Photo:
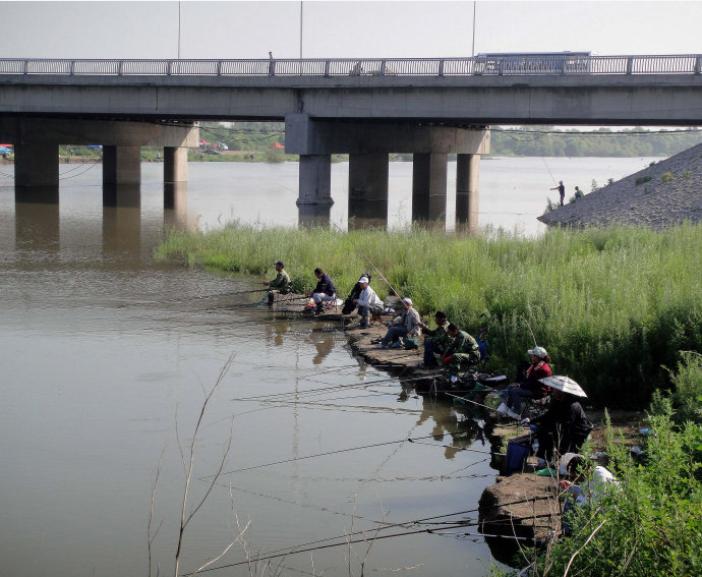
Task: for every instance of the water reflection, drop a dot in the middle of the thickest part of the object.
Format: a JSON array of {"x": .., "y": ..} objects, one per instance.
[
  {"x": 175, "y": 205},
  {"x": 121, "y": 221},
  {"x": 37, "y": 222},
  {"x": 323, "y": 343}
]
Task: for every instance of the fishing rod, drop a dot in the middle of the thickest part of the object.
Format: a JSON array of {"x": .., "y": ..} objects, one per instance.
[
  {"x": 463, "y": 399},
  {"x": 317, "y": 544},
  {"x": 272, "y": 396}
]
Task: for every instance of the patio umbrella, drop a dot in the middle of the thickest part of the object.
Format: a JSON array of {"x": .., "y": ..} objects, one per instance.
[{"x": 565, "y": 384}]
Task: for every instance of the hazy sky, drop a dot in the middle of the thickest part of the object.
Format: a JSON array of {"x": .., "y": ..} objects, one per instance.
[{"x": 338, "y": 29}]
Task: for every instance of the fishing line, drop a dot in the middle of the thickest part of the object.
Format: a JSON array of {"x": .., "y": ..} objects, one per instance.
[{"x": 307, "y": 547}]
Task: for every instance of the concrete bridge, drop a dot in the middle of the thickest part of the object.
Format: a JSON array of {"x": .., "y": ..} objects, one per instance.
[{"x": 366, "y": 108}]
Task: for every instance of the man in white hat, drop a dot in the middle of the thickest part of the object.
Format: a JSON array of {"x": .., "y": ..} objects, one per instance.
[
  {"x": 367, "y": 302},
  {"x": 408, "y": 325}
]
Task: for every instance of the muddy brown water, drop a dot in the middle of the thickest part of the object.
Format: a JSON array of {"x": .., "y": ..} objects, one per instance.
[{"x": 103, "y": 351}]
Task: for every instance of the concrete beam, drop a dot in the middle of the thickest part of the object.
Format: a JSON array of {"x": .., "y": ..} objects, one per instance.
[
  {"x": 368, "y": 189},
  {"x": 20, "y": 129},
  {"x": 36, "y": 164},
  {"x": 304, "y": 135},
  {"x": 467, "y": 194},
  {"x": 429, "y": 187},
  {"x": 121, "y": 165}
]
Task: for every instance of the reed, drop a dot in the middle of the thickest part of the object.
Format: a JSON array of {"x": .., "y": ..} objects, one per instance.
[{"x": 613, "y": 307}]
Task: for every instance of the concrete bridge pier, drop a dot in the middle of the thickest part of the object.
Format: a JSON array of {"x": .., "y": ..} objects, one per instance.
[
  {"x": 368, "y": 189},
  {"x": 467, "y": 178},
  {"x": 36, "y": 164},
  {"x": 368, "y": 144},
  {"x": 121, "y": 165},
  {"x": 314, "y": 198},
  {"x": 429, "y": 173},
  {"x": 175, "y": 205},
  {"x": 175, "y": 164},
  {"x": 37, "y": 218}
]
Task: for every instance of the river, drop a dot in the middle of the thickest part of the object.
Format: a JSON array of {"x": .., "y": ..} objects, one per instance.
[{"x": 108, "y": 357}]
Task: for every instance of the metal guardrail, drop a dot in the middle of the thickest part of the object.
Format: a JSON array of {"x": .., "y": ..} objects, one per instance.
[{"x": 503, "y": 65}]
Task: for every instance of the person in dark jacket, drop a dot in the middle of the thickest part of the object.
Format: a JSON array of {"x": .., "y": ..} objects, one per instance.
[
  {"x": 564, "y": 426},
  {"x": 436, "y": 340},
  {"x": 324, "y": 291}
]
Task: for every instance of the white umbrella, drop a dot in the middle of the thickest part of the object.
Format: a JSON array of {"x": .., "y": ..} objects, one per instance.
[{"x": 565, "y": 384}]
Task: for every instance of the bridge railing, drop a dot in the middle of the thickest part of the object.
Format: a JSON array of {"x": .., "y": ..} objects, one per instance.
[{"x": 496, "y": 65}]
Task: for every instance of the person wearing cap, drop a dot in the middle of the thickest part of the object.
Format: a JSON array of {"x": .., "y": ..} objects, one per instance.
[
  {"x": 408, "y": 325},
  {"x": 323, "y": 292},
  {"x": 367, "y": 302},
  {"x": 350, "y": 301},
  {"x": 514, "y": 396},
  {"x": 436, "y": 340},
  {"x": 280, "y": 284},
  {"x": 564, "y": 426},
  {"x": 462, "y": 353},
  {"x": 582, "y": 484}
]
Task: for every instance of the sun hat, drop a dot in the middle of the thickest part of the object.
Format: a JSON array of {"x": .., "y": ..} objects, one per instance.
[
  {"x": 407, "y": 301},
  {"x": 565, "y": 384},
  {"x": 363, "y": 279},
  {"x": 564, "y": 462},
  {"x": 538, "y": 352}
]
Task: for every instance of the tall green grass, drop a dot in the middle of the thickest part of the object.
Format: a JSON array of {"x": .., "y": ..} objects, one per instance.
[{"x": 613, "y": 307}]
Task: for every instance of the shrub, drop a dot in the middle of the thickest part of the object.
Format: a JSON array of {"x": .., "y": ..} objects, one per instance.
[
  {"x": 667, "y": 177},
  {"x": 642, "y": 180},
  {"x": 687, "y": 396}
]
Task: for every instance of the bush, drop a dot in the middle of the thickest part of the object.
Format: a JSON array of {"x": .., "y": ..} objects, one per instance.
[
  {"x": 642, "y": 179},
  {"x": 667, "y": 177},
  {"x": 687, "y": 396}
]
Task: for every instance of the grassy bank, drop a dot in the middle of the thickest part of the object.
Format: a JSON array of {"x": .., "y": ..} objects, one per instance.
[{"x": 612, "y": 307}]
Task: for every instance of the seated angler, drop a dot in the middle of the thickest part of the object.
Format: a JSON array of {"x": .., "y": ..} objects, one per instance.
[
  {"x": 564, "y": 426},
  {"x": 280, "y": 284},
  {"x": 437, "y": 340},
  {"x": 462, "y": 354},
  {"x": 350, "y": 302},
  {"x": 408, "y": 325},
  {"x": 367, "y": 302},
  {"x": 325, "y": 291},
  {"x": 514, "y": 396}
]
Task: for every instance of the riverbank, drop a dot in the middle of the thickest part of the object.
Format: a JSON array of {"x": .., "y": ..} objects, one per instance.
[{"x": 613, "y": 307}]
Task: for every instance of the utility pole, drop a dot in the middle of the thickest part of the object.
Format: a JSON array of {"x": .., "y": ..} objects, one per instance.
[
  {"x": 179, "y": 3},
  {"x": 472, "y": 53},
  {"x": 301, "y": 14}
]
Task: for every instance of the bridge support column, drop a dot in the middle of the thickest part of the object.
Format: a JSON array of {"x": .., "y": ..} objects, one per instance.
[
  {"x": 121, "y": 165},
  {"x": 36, "y": 165},
  {"x": 37, "y": 222},
  {"x": 314, "y": 201},
  {"x": 175, "y": 164},
  {"x": 368, "y": 189},
  {"x": 429, "y": 187},
  {"x": 175, "y": 205},
  {"x": 467, "y": 178}
]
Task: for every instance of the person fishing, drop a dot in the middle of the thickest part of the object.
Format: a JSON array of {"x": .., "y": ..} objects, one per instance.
[
  {"x": 280, "y": 284},
  {"x": 367, "y": 302},
  {"x": 406, "y": 326},
  {"x": 325, "y": 291},
  {"x": 561, "y": 190},
  {"x": 350, "y": 302},
  {"x": 462, "y": 354},
  {"x": 564, "y": 426},
  {"x": 436, "y": 340},
  {"x": 530, "y": 387}
]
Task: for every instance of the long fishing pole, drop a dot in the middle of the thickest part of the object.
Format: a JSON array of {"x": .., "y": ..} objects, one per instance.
[
  {"x": 315, "y": 545},
  {"x": 478, "y": 404}
]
